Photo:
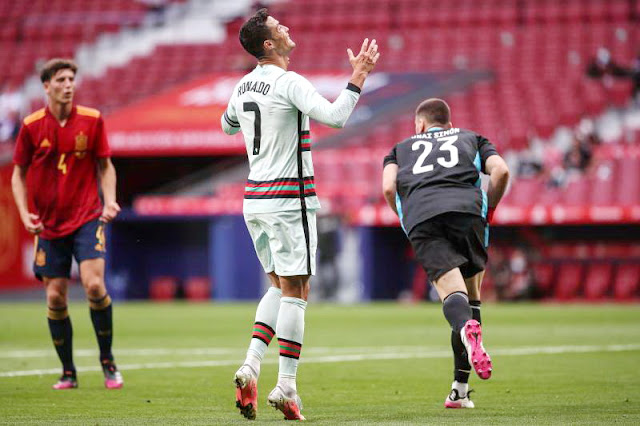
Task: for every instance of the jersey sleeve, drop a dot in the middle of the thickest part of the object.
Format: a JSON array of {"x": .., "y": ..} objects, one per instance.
[
  {"x": 391, "y": 157},
  {"x": 24, "y": 148},
  {"x": 486, "y": 149},
  {"x": 306, "y": 98},
  {"x": 102, "y": 144},
  {"x": 229, "y": 120}
]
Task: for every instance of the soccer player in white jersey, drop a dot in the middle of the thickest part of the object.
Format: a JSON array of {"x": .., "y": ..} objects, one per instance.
[{"x": 272, "y": 106}]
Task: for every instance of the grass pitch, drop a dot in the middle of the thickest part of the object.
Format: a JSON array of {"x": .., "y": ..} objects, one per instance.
[{"x": 363, "y": 364}]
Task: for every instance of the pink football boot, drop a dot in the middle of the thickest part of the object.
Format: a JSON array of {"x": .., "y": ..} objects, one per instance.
[
  {"x": 246, "y": 392},
  {"x": 471, "y": 335},
  {"x": 68, "y": 380},
  {"x": 112, "y": 377}
]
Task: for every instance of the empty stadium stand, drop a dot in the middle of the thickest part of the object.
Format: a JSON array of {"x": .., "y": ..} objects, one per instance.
[{"x": 536, "y": 50}]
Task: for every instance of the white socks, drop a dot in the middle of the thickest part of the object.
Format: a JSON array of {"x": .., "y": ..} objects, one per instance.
[
  {"x": 462, "y": 388},
  {"x": 290, "y": 331},
  {"x": 263, "y": 328},
  {"x": 283, "y": 316}
]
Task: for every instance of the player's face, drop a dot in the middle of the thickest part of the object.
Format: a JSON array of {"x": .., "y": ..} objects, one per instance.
[
  {"x": 280, "y": 36},
  {"x": 61, "y": 87}
]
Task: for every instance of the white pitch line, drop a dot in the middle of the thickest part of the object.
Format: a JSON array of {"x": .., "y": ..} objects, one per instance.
[
  {"x": 45, "y": 353},
  {"x": 79, "y": 353},
  {"x": 540, "y": 350}
]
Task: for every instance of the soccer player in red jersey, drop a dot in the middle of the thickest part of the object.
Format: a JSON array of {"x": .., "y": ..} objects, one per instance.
[{"x": 61, "y": 159}]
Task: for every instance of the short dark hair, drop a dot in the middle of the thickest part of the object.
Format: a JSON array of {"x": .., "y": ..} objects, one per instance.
[
  {"x": 52, "y": 66},
  {"x": 434, "y": 111},
  {"x": 254, "y": 32}
]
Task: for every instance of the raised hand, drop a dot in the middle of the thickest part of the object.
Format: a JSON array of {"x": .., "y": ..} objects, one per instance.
[{"x": 366, "y": 59}]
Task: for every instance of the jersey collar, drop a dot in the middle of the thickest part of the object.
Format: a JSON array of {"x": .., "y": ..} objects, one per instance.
[{"x": 74, "y": 110}]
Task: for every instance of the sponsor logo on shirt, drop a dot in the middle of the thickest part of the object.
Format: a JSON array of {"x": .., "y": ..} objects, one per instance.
[{"x": 45, "y": 143}]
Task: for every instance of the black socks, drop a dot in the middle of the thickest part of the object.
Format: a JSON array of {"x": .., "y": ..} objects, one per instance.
[
  {"x": 475, "y": 309},
  {"x": 462, "y": 368},
  {"x": 456, "y": 310},
  {"x": 102, "y": 320},
  {"x": 62, "y": 336}
]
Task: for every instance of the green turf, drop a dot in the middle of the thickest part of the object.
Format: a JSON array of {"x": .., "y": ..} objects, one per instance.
[{"x": 593, "y": 387}]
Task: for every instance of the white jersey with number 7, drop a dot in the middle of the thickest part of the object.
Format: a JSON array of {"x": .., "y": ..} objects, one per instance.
[{"x": 272, "y": 107}]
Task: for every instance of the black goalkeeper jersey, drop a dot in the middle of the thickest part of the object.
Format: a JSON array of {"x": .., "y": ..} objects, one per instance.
[{"x": 439, "y": 172}]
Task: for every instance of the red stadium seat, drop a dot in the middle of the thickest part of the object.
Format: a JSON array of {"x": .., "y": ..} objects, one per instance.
[
  {"x": 487, "y": 35},
  {"x": 9, "y": 32},
  {"x": 42, "y": 21},
  {"x": 562, "y": 251},
  {"x": 576, "y": 193},
  {"x": 163, "y": 288},
  {"x": 597, "y": 281},
  {"x": 197, "y": 288},
  {"x": 596, "y": 9},
  {"x": 626, "y": 282},
  {"x": 629, "y": 181},
  {"x": 603, "y": 188},
  {"x": 569, "y": 283},
  {"x": 544, "y": 275},
  {"x": 524, "y": 191}
]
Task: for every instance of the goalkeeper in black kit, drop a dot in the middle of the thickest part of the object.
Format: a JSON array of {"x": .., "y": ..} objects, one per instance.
[{"x": 432, "y": 181}]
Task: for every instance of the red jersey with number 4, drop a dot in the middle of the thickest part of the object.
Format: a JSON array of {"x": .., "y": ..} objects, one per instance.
[{"x": 62, "y": 181}]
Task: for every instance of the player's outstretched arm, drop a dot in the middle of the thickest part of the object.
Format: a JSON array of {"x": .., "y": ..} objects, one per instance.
[
  {"x": 31, "y": 221},
  {"x": 498, "y": 172},
  {"x": 304, "y": 96},
  {"x": 389, "y": 175}
]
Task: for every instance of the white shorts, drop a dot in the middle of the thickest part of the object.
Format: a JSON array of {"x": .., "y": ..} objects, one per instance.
[{"x": 284, "y": 242}]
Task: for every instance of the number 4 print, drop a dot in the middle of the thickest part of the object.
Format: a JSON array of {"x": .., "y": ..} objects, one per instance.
[{"x": 62, "y": 166}]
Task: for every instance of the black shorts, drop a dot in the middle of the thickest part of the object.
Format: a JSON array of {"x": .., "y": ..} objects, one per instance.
[
  {"x": 53, "y": 257},
  {"x": 449, "y": 241}
]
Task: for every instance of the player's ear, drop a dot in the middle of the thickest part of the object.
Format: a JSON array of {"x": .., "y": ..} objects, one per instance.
[
  {"x": 420, "y": 125},
  {"x": 268, "y": 45}
]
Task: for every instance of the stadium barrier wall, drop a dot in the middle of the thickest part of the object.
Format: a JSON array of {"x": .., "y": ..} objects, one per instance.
[{"x": 218, "y": 248}]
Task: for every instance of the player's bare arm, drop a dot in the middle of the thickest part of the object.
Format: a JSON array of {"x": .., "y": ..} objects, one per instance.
[
  {"x": 389, "y": 175},
  {"x": 364, "y": 62},
  {"x": 31, "y": 221},
  {"x": 107, "y": 175},
  {"x": 498, "y": 172}
]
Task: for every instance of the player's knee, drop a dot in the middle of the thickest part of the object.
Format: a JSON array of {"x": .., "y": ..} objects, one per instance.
[
  {"x": 56, "y": 299},
  {"x": 94, "y": 287}
]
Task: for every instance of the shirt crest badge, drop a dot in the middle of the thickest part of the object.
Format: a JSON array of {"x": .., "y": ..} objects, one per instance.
[{"x": 81, "y": 145}]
